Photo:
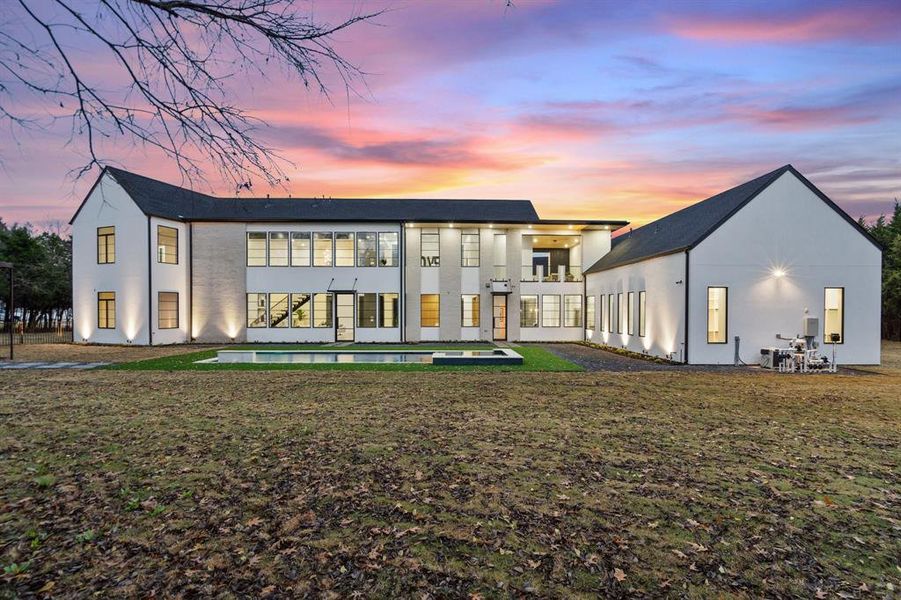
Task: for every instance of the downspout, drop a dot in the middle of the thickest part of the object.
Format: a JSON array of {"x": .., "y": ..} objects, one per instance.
[
  {"x": 149, "y": 284},
  {"x": 685, "y": 343},
  {"x": 190, "y": 282},
  {"x": 584, "y": 306},
  {"x": 402, "y": 296}
]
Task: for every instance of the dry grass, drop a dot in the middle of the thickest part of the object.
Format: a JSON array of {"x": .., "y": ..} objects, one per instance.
[
  {"x": 85, "y": 353},
  {"x": 396, "y": 484}
]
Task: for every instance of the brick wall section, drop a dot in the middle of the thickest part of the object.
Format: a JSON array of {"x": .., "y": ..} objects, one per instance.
[
  {"x": 219, "y": 275},
  {"x": 449, "y": 276}
]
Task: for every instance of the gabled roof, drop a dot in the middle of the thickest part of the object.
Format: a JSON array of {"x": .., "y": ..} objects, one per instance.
[
  {"x": 688, "y": 227},
  {"x": 160, "y": 199}
]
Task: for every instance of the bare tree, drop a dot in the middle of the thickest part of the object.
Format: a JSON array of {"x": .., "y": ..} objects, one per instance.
[{"x": 177, "y": 63}]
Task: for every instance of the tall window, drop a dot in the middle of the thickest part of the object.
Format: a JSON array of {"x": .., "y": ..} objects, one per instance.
[
  {"x": 470, "y": 304},
  {"x": 167, "y": 245},
  {"x": 717, "y": 307},
  {"x": 430, "y": 310},
  {"x": 603, "y": 300},
  {"x": 642, "y": 314},
  {"x": 550, "y": 310},
  {"x": 322, "y": 249},
  {"x": 470, "y": 251},
  {"x": 630, "y": 314},
  {"x": 611, "y": 313},
  {"x": 834, "y": 317},
  {"x": 572, "y": 310},
  {"x": 167, "y": 310},
  {"x": 106, "y": 310},
  {"x": 429, "y": 246},
  {"x": 620, "y": 308},
  {"x": 528, "y": 311},
  {"x": 388, "y": 307},
  {"x": 388, "y": 249},
  {"x": 590, "y": 314},
  {"x": 256, "y": 248},
  {"x": 322, "y": 310},
  {"x": 278, "y": 248},
  {"x": 256, "y": 310},
  {"x": 279, "y": 310},
  {"x": 367, "y": 249},
  {"x": 300, "y": 310},
  {"x": 106, "y": 245},
  {"x": 366, "y": 310},
  {"x": 300, "y": 249},
  {"x": 344, "y": 249}
]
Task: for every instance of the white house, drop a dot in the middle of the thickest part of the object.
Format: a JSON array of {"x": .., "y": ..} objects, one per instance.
[
  {"x": 748, "y": 263},
  {"x": 155, "y": 263}
]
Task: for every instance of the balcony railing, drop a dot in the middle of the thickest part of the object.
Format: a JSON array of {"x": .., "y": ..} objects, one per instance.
[{"x": 567, "y": 273}]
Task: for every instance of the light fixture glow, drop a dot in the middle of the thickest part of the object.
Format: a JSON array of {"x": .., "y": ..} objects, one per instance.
[{"x": 777, "y": 272}]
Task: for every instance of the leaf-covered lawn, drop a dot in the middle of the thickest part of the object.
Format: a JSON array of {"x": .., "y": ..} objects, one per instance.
[
  {"x": 236, "y": 483},
  {"x": 534, "y": 359}
]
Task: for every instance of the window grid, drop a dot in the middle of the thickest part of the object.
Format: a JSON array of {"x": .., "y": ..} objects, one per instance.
[
  {"x": 278, "y": 249},
  {"x": 630, "y": 314},
  {"x": 528, "y": 311},
  {"x": 106, "y": 245},
  {"x": 590, "y": 314},
  {"x": 322, "y": 310},
  {"x": 470, "y": 310},
  {"x": 430, "y": 310},
  {"x": 279, "y": 310},
  {"x": 256, "y": 310},
  {"x": 469, "y": 241},
  {"x": 367, "y": 249},
  {"x": 301, "y": 310},
  {"x": 550, "y": 310},
  {"x": 834, "y": 314},
  {"x": 366, "y": 310},
  {"x": 388, "y": 249},
  {"x": 344, "y": 249},
  {"x": 106, "y": 310},
  {"x": 717, "y": 314},
  {"x": 388, "y": 306},
  {"x": 166, "y": 245},
  {"x": 322, "y": 249},
  {"x": 256, "y": 248},
  {"x": 300, "y": 249},
  {"x": 167, "y": 310},
  {"x": 572, "y": 310},
  {"x": 429, "y": 247}
]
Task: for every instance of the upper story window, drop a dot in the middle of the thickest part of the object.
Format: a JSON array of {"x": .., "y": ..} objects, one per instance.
[
  {"x": 429, "y": 247},
  {"x": 322, "y": 249},
  {"x": 278, "y": 248},
  {"x": 834, "y": 317},
  {"x": 717, "y": 307},
  {"x": 167, "y": 245},
  {"x": 344, "y": 249},
  {"x": 388, "y": 249},
  {"x": 300, "y": 249},
  {"x": 256, "y": 249},
  {"x": 470, "y": 249},
  {"x": 106, "y": 245},
  {"x": 367, "y": 249}
]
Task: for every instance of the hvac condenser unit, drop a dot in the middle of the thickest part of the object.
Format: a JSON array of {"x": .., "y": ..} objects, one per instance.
[{"x": 811, "y": 327}]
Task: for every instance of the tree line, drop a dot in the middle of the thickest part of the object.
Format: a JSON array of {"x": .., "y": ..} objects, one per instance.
[
  {"x": 43, "y": 280},
  {"x": 887, "y": 231}
]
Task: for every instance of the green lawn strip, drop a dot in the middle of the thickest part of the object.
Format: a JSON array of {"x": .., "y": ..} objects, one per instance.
[{"x": 534, "y": 359}]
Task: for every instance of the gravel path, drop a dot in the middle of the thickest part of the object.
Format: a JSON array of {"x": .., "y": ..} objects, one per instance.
[{"x": 592, "y": 359}]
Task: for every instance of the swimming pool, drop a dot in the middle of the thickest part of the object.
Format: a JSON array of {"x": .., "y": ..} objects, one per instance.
[{"x": 495, "y": 356}]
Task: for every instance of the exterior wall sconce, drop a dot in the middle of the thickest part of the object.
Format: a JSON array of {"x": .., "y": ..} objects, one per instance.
[{"x": 778, "y": 273}]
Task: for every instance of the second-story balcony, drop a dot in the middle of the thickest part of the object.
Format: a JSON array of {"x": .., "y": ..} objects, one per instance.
[{"x": 552, "y": 258}]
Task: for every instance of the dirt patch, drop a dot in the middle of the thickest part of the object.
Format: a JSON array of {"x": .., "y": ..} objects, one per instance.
[{"x": 94, "y": 353}]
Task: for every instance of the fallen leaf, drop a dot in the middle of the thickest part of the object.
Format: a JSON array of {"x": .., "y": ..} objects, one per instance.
[{"x": 618, "y": 574}]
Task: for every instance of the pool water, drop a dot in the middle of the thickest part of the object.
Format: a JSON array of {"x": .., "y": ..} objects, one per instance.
[{"x": 321, "y": 357}]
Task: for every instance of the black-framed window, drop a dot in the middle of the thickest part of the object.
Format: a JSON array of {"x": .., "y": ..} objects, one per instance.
[
  {"x": 256, "y": 310},
  {"x": 630, "y": 313},
  {"x": 469, "y": 252},
  {"x": 106, "y": 310},
  {"x": 717, "y": 314},
  {"x": 367, "y": 310},
  {"x": 528, "y": 310},
  {"x": 611, "y": 313},
  {"x": 388, "y": 309},
  {"x": 388, "y": 249},
  {"x": 572, "y": 310},
  {"x": 322, "y": 310},
  {"x": 301, "y": 310},
  {"x": 167, "y": 310},
  {"x": 344, "y": 249},
  {"x": 106, "y": 245},
  {"x": 550, "y": 310},
  {"x": 300, "y": 248},
  {"x": 620, "y": 307},
  {"x": 590, "y": 312},
  {"x": 256, "y": 248},
  {"x": 279, "y": 253},
  {"x": 642, "y": 313},
  {"x": 367, "y": 248},
  {"x": 834, "y": 314},
  {"x": 279, "y": 310},
  {"x": 322, "y": 251},
  {"x": 469, "y": 305},
  {"x": 429, "y": 247},
  {"x": 430, "y": 310},
  {"x": 166, "y": 245}
]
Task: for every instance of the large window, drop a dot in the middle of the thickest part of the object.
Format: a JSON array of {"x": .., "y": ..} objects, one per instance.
[
  {"x": 167, "y": 310},
  {"x": 470, "y": 250},
  {"x": 367, "y": 249},
  {"x": 611, "y": 313},
  {"x": 642, "y": 314},
  {"x": 256, "y": 310},
  {"x": 620, "y": 308},
  {"x": 300, "y": 310},
  {"x": 429, "y": 247},
  {"x": 106, "y": 310},
  {"x": 388, "y": 310},
  {"x": 572, "y": 310},
  {"x": 717, "y": 307},
  {"x": 279, "y": 310},
  {"x": 344, "y": 249},
  {"x": 322, "y": 310},
  {"x": 106, "y": 245},
  {"x": 590, "y": 313},
  {"x": 550, "y": 310},
  {"x": 528, "y": 311},
  {"x": 278, "y": 248},
  {"x": 366, "y": 310},
  {"x": 167, "y": 245},
  {"x": 834, "y": 316},
  {"x": 470, "y": 305},
  {"x": 256, "y": 248},
  {"x": 322, "y": 249},
  {"x": 630, "y": 314},
  {"x": 430, "y": 310},
  {"x": 388, "y": 249},
  {"x": 603, "y": 300},
  {"x": 300, "y": 249}
]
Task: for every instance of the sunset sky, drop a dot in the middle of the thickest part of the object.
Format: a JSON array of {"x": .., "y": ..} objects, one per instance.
[{"x": 590, "y": 109}]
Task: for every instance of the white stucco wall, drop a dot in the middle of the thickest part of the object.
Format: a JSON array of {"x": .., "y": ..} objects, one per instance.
[
  {"x": 170, "y": 278},
  {"x": 786, "y": 227},
  {"x": 660, "y": 279},
  {"x": 108, "y": 204}
]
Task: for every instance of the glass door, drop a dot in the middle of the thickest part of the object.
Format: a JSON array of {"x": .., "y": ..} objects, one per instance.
[
  {"x": 344, "y": 317},
  {"x": 499, "y": 316}
]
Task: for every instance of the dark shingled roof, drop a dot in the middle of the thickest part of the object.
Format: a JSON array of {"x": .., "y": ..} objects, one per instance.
[
  {"x": 172, "y": 202},
  {"x": 686, "y": 228}
]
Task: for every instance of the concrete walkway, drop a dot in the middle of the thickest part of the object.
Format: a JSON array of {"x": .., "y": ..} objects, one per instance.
[{"x": 49, "y": 365}]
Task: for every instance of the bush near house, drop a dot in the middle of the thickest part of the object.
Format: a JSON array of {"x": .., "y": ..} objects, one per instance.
[{"x": 887, "y": 232}]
